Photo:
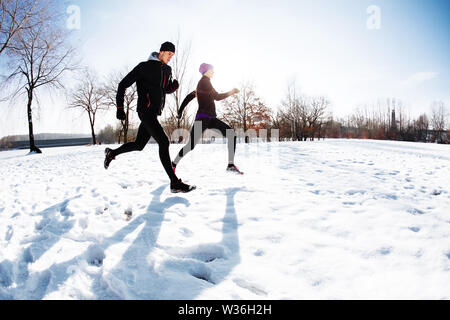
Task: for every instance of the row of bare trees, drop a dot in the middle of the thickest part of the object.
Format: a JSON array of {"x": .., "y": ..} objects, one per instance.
[
  {"x": 244, "y": 110},
  {"x": 36, "y": 52},
  {"x": 389, "y": 119},
  {"x": 92, "y": 96},
  {"x": 301, "y": 117}
]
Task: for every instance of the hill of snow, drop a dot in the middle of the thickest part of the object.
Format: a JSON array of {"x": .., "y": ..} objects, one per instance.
[{"x": 334, "y": 219}]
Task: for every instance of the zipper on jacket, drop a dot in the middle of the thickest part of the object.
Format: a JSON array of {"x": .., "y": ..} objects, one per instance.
[
  {"x": 148, "y": 101},
  {"x": 162, "y": 89}
]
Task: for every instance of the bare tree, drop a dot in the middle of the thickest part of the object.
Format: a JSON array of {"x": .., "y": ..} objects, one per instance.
[
  {"x": 359, "y": 121},
  {"x": 302, "y": 112},
  {"x": 15, "y": 16},
  {"x": 422, "y": 125},
  {"x": 180, "y": 66},
  {"x": 304, "y": 115},
  {"x": 438, "y": 115},
  {"x": 438, "y": 118},
  {"x": 41, "y": 55},
  {"x": 290, "y": 112},
  {"x": 316, "y": 120},
  {"x": 107, "y": 135},
  {"x": 88, "y": 96},
  {"x": 109, "y": 93},
  {"x": 245, "y": 109}
]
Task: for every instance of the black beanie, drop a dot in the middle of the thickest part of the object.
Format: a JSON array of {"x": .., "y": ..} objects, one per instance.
[{"x": 168, "y": 46}]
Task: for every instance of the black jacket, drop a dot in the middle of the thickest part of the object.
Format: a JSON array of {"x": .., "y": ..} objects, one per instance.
[
  {"x": 206, "y": 95},
  {"x": 153, "y": 80}
]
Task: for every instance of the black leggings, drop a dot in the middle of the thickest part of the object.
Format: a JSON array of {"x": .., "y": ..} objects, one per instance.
[
  {"x": 150, "y": 127},
  {"x": 196, "y": 134}
]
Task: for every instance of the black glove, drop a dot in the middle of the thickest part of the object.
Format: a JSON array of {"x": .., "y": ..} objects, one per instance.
[
  {"x": 175, "y": 85},
  {"x": 121, "y": 114}
]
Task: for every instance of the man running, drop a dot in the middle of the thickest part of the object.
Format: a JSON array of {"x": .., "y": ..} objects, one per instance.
[
  {"x": 206, "y": 117},
  {"x": 153, "y": 80}
]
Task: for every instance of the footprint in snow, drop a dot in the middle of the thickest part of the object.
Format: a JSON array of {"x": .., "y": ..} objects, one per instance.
[
  {"x": 95, "y": 255},
  {"x": 27, "y": 256},
  {"x": 42, "y": 224},
  {"x": 201, "y": 272},
  {"x": 389, "y": 196},
  {"x": 83, "y": 222},
  {"x": 250, "y": 286},
  {"x": 9, "y": 233},
  {"x": 95, "y": 193},
  {"x": 42, "y": 282},
  {"x": 124, "y": 185},
  {"x": 415, "y": 211},
  {"x": 128, "y": 214},
  {"x": 6, "y": 270},
  {"x": 419, "y": 253},
  {"x": 101, "y": 209},
  {"x": 259, "y": 253},
  {"x": 204, "y": 252},
  {"x": 354, "y": 192},
  {"x": 384, "y": 251},
  {"x": 186, "y": 232}
]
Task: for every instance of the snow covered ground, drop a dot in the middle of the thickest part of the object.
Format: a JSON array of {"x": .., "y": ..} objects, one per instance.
[{"x": 334, "y": 219}]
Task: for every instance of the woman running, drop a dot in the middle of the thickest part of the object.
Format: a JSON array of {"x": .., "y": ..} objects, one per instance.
[{"x": 206, "y": 117}]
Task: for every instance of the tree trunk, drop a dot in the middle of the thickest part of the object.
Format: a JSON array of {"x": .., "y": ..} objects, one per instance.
[
  {"x": 92, "y": 121},
  {"x": 126, "y": 123},
  {"x": 125, "y": 132},
  {"x": 33, "y": 147},
  {"x": 247, "y": 138},
  {"x": 94, "y": 140}
]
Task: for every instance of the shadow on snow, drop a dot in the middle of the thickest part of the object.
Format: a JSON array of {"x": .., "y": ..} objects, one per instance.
[{"x": 145, "y": 270}]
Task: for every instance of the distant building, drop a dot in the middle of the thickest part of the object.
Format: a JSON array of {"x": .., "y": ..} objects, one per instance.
[{"x": 51, "y": 143}]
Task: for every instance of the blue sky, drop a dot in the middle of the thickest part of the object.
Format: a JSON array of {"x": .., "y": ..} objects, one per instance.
[{"x": 324, "y": 45}]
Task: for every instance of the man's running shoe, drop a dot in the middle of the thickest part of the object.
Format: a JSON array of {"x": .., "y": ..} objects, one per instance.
[
  {"x": 234, "y": 169},
  {"x": 108, "y": 157},
  {"x": 178, "y": 186}
]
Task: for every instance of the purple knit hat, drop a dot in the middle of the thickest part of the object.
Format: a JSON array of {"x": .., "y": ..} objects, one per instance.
[{"x": 205, "y": 67}]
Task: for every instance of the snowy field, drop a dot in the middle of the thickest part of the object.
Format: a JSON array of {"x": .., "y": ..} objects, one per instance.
[{"x": 334, "y": 219}]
